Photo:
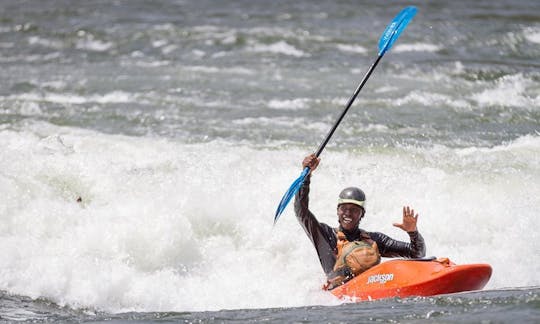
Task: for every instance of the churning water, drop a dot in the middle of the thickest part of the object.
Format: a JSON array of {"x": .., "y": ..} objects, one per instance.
[{"x": 180, "y": 124}]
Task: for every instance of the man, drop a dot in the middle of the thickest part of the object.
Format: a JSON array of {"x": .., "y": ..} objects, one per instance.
[{"x": 350, "y": 210}]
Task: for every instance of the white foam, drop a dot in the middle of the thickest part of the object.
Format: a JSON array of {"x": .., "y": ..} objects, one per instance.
[
  {"x": 352, "y": 48},
  {"x": 532, "y": 34},
  {"x": 510, "y": 90},
  {"x": 94, "y": 45},
  {"x": 30, "y": 108},
  {"x": 168, "y": 226},
  {"x": 416, "y": 47},
  {"x": 66, "y": 98},
  {"x": 280, "y": 47},
  {"x": 159, "y": 43},
  {"x": 298, "y": 103},
  {"x": 430, "y": 99},
  {"x": 35, "y": 40},
  {"x": 213, "y": 69}
]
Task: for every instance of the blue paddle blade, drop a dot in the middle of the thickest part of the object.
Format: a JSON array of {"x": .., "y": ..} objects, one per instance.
[
  {"x": 293, "y": 189},
  {"x": 394, "y": 29}
]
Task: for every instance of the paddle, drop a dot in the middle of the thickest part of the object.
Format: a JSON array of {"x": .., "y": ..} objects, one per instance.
[{"x": 390, "y": 35}]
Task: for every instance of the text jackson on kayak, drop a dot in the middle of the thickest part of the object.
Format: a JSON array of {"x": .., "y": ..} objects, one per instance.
[{"x": 348, "y": 250}]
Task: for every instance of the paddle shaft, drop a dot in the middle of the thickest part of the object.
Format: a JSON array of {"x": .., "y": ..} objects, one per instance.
[
  {"x": 391, "y": 33},
  {"x": 349, "y": 104}
]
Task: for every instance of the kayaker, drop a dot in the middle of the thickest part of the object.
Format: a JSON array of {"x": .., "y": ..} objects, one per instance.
[{"x": 348, "y": 250}]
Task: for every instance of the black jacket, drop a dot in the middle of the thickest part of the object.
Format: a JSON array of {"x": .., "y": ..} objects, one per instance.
[{"x": 324, "y": 237}]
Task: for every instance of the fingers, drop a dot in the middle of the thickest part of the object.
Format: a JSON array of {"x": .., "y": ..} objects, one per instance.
[
  {"x": 317, "y": 161},
  {"x": 409, "y": 219},
  {"x": 409, "y": 212},
  {"x": 311, "y": 161}
]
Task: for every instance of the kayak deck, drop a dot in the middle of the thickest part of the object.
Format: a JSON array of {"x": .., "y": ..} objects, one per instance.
[{"x": 424, "y": 277}]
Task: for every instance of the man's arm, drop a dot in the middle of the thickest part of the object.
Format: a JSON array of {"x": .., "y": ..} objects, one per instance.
[
  {"x": 393, "y": 248},
  {"x": 390, "y": 248},
  {"x": 321, "y": 235}
]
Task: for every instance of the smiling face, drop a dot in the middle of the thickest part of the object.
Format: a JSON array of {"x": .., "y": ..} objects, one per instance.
[{"x": 349, "y": 216}]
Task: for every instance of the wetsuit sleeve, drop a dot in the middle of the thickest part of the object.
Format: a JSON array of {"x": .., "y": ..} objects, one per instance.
[
  {"x": 389, "y": 248},
  {"x": 321, "y": 235}
]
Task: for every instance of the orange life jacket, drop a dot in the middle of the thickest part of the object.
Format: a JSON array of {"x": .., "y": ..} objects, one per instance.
[{"x": 353, "y": 258}]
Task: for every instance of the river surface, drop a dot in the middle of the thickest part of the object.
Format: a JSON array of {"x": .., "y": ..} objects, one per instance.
[{"x": 145, "y": 146}]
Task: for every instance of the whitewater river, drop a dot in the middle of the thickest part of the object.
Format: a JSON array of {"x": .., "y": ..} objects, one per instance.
[{"x": 180, "y": 124}]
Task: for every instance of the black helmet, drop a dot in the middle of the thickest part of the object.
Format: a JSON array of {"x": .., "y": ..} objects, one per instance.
[{"x": 352, "y": 195}]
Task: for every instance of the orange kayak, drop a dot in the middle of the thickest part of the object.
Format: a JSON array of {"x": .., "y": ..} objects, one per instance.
[{"x": 415, "y": 277}]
